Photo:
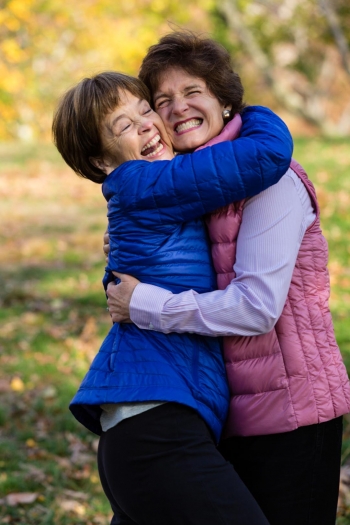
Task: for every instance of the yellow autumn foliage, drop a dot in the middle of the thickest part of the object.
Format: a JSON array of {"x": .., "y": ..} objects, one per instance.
[
  {"x": 47, "y": 46},
  {"x": 286, "y": 54}
]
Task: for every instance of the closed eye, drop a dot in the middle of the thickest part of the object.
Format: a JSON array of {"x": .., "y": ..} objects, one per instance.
[{"x": 163, "y": 103}]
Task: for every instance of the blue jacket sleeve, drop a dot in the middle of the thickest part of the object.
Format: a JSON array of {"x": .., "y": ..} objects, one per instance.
[{"x": 194, "y": 184}]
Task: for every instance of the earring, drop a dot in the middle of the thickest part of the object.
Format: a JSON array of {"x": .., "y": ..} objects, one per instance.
[{"x": 226, "y": 113}]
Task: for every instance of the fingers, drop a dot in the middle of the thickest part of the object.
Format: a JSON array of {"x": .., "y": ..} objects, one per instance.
[
  {"x": 118, "y": 299},
  {"x": 106, "y": 250},
  {"x": 120, "y": 319},
  {"x": 118, "y": 312},
  {"x": 125, "y": 278},
  {"x": 110, "y": 285},
  {"x": 106, "y": 244}
]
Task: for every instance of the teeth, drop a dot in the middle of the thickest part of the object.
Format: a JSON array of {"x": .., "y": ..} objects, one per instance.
[
  {"x": 189, "y": 124},
  {"x": 151, "y": 143},
  {"x": 156, "y": 151}
]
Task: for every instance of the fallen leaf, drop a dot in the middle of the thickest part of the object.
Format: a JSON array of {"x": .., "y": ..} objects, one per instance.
[
  {"x": 17, "y": 384},
  {"x": 94, "y": 478},
  {"x": 74, "y": 494},
  {"x": 49, "y": 392},
  {"x": 17, "y": 498},
  {"x": 73, "y": 506},
  {"x": 94, "y": 445},
  {"x": 30, "y": 443},
  {"x": 82, "y": 459},
  {"x": 83, "y": 473},
  {"x": 64, "y": 463},
  {"x": 34, "y": 473},
  {"x": 5, "y": 385}
]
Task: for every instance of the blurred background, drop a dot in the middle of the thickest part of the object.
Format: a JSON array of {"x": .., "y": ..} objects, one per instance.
[{"x": 292, "y": 55}]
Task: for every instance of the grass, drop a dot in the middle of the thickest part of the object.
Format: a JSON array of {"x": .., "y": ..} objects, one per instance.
[{"x": 53, "y": 318}]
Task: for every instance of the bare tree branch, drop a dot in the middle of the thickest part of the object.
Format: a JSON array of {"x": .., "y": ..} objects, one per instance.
[
  {"x": 292, "y": 101},
  {"x": 291, "y": 88},
  {"x": 334, "y": 24}
]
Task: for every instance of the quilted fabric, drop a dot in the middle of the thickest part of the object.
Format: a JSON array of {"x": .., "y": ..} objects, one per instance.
[
  {"x": 157, "y": 235},
  {"x": 294, "y": 375}
]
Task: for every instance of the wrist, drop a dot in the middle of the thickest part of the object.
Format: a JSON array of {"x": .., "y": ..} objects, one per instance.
[{"x": 146, "y": 306}]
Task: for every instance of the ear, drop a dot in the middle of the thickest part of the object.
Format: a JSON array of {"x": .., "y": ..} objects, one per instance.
[
  {"x": 228, "y": 106},
  {"x": 102, "y": 164}
]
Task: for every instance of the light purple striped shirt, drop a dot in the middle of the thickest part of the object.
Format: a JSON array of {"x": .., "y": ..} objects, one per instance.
[{"x": 273, "y": 226}]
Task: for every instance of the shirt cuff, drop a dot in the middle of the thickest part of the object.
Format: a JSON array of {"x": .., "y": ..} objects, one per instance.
[{"x": 146, "y": 305}]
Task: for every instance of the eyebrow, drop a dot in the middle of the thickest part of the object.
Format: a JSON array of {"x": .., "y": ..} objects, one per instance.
[
  {"x": 187, "y": 88},
  {"x": 123, "y": 115},
  {"x": 114, "y": 121}
]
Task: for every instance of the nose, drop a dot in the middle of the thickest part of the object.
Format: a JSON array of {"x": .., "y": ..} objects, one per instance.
[
  {"x": 179, "y": 105},
  {"x": 146, "y": 125}
]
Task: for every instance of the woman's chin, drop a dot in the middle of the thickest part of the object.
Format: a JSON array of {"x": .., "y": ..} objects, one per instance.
[
  {"x": 187, "y": 146},
  {"x": 188, "y": 142}
]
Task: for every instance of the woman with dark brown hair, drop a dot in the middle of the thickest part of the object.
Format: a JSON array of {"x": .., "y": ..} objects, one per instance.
[{"x": 289, "y": 387}]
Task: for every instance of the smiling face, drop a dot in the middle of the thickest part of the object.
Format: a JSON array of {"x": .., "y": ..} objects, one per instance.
[
  {"x": 192, "y": 115},
  {"x": 133, "y": 131}
]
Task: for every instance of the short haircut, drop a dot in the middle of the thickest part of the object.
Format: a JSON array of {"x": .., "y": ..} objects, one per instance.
[
  {"x": 77, "y": 121},
  {"x": 201, "y": 57}
]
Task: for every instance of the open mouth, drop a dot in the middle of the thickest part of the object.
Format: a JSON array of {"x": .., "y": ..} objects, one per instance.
[
  {"x": 190, "y": 124},
  {"x": 153, "y": 147}
]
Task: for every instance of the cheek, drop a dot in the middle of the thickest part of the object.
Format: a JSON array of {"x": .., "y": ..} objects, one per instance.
[
  {"x": 217, "y": 122},
  {"x": 169, "y": 134},
  {"x": 164, "y": 116}
]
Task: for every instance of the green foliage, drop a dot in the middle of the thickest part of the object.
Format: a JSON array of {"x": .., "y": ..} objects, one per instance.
[{"x": 52, "y": 320}]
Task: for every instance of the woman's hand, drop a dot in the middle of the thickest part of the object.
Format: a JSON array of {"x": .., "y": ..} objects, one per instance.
[
  {"x": 119, "y": 297},
  {"x": 106, "y": 244}
]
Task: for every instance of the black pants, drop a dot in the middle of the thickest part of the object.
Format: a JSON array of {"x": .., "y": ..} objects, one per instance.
[
  {"x": 161, "y": 467},
  {"x": 293, "y": 476}
]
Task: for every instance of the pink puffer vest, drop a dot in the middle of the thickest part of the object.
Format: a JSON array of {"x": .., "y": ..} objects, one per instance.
[{"x": 294, "y": 375}]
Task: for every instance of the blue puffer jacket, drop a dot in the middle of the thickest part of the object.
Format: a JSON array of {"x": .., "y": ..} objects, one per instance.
[{"x": 157, "y": 235}]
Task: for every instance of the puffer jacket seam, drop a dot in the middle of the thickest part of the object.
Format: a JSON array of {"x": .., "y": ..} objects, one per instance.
[
  {"x": 317, "y": 277},
  {"x": 286, "y": 387},
  {"x": 334, "y": 365},
  {"x": 302, "y": 280},
  {"x": 323, "y": 313},
  {"x": 327, "y": 336},
  {"x": 251, "y": 358},
  {"x": 286, "y": 375}
]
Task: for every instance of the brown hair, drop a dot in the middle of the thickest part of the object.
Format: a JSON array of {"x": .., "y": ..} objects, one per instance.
[
  {"x": 201, "y": 57},
  {"x": 77, "y": 121}
]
